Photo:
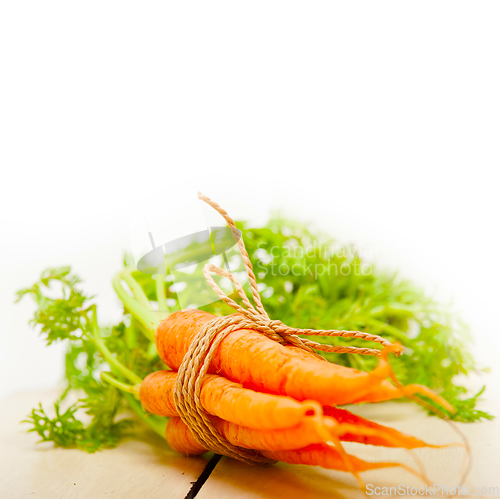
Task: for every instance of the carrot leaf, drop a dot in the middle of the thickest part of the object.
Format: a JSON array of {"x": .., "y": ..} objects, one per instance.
[{"x": 65, "y": 313}]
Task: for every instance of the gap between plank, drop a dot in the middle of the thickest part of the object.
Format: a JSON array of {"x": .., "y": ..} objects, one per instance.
[{"x": 195, "y": 488}]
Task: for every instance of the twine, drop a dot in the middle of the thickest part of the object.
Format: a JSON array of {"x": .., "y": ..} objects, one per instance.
[{"x": 204, "y": 346}]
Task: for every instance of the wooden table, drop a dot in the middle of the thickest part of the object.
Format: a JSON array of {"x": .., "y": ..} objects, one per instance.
[{"x": 146, "y": 468}]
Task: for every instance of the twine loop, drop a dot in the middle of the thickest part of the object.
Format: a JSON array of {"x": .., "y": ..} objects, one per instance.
[{"x": 206, "y": 342}]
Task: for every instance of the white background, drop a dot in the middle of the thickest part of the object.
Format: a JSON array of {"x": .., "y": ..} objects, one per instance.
[{"x": 376, "y": 121}]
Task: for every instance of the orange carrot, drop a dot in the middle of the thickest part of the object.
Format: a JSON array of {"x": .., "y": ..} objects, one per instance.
[
  {"x": 180, "y": 438},
  {"x": 326, "y": 457},
  {"x": 259, "y": 363},
  {"x": 229, "y": 401},
  {"x": 354, "y": 428},
  {"x": 242, "y": 417},
  {"x": 311, "y": 431},
  {"x": 156, "y": 393},
  {"x": 343, "y": 425},
  {"x": 382, "y": 390}
]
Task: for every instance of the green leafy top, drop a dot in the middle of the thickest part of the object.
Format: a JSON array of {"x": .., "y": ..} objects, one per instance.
[
  {"x": 60, "y": 318},
  {"x": 92, "y": 422}
]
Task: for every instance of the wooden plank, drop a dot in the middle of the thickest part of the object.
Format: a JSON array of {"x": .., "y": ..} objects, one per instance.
[{"x": 144, "y": 468}]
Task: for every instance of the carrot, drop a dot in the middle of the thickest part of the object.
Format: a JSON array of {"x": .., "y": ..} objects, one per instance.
[
  {"x": 180, "y": 438},
  {"x": 354, "y": 428},
  {"x": 331, "y": 458},
  {"x": 311, "y": 431},
  {"x": 326, "y": 457},
  {"x": 342, "y": 425},
  {"x": 317, "y": 430},
  {"x": 156, "y": 395},
  {"x": 262, "y": 364},
  {"x": 379, "y": 391},
  {"x": 229, "y": 401},
  {"x": 243, "y": 428},
  {"x": 382, "y": 390}
]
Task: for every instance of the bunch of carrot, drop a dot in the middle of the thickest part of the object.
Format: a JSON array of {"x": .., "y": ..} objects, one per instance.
[{"x": 278, "y": 400}]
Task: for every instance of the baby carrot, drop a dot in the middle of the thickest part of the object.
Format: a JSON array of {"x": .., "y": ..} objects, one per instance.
[
  {"x": 311, "y": 431},
  {"x": 326, "y": 457},
  {"x": 229, "y": 401},
  {"x": 180, "y": 438},
  {"x": 354, "y": 428},
  {"x": 261, "y": 364}
]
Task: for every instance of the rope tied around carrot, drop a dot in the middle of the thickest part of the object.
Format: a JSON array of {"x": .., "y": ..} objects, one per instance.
[{"x": 196, "y": 362}]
